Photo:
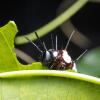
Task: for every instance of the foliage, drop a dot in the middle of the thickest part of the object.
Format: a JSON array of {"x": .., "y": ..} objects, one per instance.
[
  {"x": 24, "y": 82},
  {"x": 91, "y": 63},
  {"x": 9, "y": 60}
]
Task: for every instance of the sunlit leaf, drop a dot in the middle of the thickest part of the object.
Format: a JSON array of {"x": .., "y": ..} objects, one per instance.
[
  {"x": 48, "y": 85},
  {"x": 8, "y": 59}
]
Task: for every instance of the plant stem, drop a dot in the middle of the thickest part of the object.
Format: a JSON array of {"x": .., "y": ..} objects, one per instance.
[
  {"x": 54, "y": 23},
  {"x": 25, "y": 57}
]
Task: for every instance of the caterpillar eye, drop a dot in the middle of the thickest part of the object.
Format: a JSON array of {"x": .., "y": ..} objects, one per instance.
[{"x": 47, "y": 56}]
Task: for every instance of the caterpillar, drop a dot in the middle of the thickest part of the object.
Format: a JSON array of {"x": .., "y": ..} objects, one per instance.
[{"x": 56, "y": 59}]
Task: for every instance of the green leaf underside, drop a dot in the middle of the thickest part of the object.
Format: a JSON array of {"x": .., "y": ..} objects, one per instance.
[
  {"x": 47, "y": 88},
  {"x": 48, "y": 85}
]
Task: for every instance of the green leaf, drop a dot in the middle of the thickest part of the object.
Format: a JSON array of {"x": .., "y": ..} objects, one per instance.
[
  {"x": 20, "y": 83},
  {"x": 8, "y": 61},
  {"x": 48, "y": 85},
  {"x": 90, "y": 63}
]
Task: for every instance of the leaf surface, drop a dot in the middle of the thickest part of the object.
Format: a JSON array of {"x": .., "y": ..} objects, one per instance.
[
  {"x": 8, "y": 61},
  {"x": 47, "y": 85}
]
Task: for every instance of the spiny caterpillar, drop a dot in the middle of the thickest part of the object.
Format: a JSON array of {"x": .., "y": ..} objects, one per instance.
[{"x": 56, "y": 59}]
